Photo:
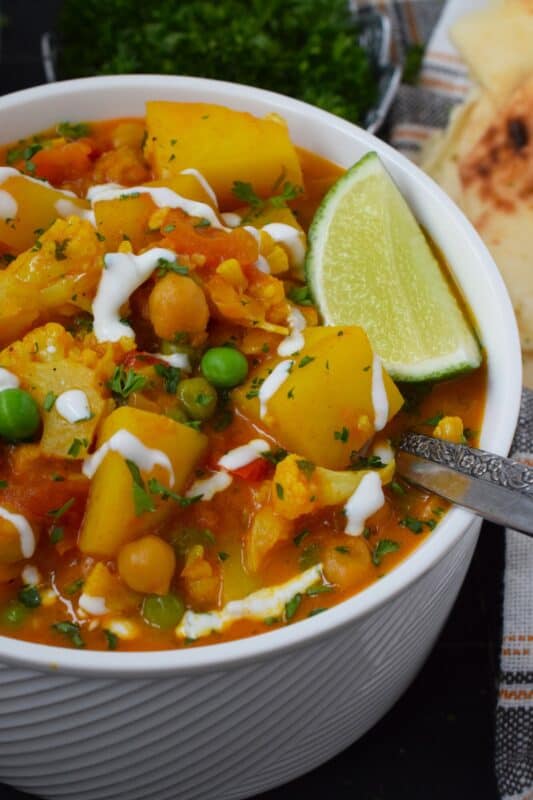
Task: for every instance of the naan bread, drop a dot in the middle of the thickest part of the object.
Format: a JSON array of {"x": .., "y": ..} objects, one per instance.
[{"x": 497, "y": 44}]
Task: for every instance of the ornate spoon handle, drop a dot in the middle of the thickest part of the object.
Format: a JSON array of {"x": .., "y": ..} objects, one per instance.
[{"x": 499, "y": 489}]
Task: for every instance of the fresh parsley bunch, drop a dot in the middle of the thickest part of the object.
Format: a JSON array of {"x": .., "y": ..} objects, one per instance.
[{"x": 304, "y": 48}]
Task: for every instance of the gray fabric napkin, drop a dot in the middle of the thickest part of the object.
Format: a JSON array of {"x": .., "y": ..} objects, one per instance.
[{"x": 420, "y": 110}]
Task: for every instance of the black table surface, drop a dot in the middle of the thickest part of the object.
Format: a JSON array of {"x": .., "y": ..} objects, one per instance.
[{"x": 438, "y": 740}]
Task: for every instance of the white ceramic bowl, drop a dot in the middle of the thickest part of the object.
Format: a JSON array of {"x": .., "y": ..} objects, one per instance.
[{"x": 232, "y": 720}]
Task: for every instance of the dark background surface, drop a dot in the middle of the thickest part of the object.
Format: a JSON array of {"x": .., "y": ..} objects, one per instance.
[{"x": 438, "y": 740}]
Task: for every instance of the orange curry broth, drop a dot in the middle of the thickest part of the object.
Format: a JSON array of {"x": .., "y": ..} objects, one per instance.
[{"x": 43, "y": 485}]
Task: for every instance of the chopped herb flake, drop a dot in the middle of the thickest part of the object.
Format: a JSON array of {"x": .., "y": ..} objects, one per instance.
[
  {"x": 382, "y": 547},
  {"x": 292, "y": 606}
]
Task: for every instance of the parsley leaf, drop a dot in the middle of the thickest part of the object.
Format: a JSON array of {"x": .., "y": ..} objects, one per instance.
[
  {"x": 49, "y": 400},
  {"x": 156, "y": 487},
  {"x": 141, "y": 499},
  {"x": 170, "y": 375},
  {"x": 432, "y": 421},
  {"x": 76, "y": 446},
  {"x": 164, "y": 266},
  {"x": 300, "y": 295},
  {"x": 382, "y": 547},
  {"x": 111, "y": 638},
  {"x": 73, "y": 130},
  {"x": 305, "y": 466},
  {"x": 60, "y": 249},
  {"x": 292, "y": 606},
  {"x": 29, "y": 596},
  {"x": 57, "y": 513},
  {"x": 124, "y": 382},
  {"x": 342, "y": 435},
  {"x": 71, "y": 630}
]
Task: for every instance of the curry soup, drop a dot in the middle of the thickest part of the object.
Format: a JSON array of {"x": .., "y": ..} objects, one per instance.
[{"x": 187, "y": 455}]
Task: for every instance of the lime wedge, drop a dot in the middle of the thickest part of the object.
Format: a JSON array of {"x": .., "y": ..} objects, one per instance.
[{"x": 369, "y": 264}]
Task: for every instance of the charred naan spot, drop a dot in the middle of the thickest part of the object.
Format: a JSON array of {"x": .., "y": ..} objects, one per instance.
[{"x": 518, "y": 133}]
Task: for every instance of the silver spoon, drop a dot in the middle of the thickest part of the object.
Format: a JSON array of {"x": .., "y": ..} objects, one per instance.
[{"x": 498, "y": 489}]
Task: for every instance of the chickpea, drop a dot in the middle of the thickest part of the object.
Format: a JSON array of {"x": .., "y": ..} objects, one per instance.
[
  {"x": 177, "y": 303},
  {"x": 346, "y": 561},
  {"x": 147, "y": 565}
]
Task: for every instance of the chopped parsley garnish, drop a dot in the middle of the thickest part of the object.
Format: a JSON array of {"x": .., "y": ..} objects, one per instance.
[
  {"x": 71, "y": 630},
  {"x": 382, "y": 547},
  {"x": 298, "y": 539},
  {"x": 74, "y": 587},
  {"x": 23, "y": 153},
  {"x": 156, "y": 487},
  {"x": 76, "y": 446},
  {"x": 168, "y": 228},
  {"x": 49, "y": 400},
  {"x": 316, "y": 611},
  {"x": 398, "y": 489},
  {"x": 170, "y": 375},
  {"x": 57, "y": 534},
  {"x": 305, "y": 361},
  {"x": 432, "y": 421},
  {"x": 305, "y": 466},
  {"x": 342, "y": 549},
  {"x": 223, "y": 556},
  {"x": 126, "y": 381},
  {"x": 164, "y": 266},
  {"x": 310, "y": 556},
  {"x": 73, "y": 130},
  {"x": 365, "y": 462},
  {"x": 202, "y": 223},
  {"x": 274, "y": 456},
  {"x": 245, "y": 192},
  {"x": 279, "y": 491},
  {"x": 57, "y": 513},
  {"x": 292, "y": 606},
  {"x": 60, "y": 249},
  {"x": 417, "y": 525},
  {"x": 3, "y": 484},
  {"x": 342, "y": 435},
  {"x": 29, "y": 596},
  {"x": 141, "y": 499},
  {"x": 111, "y": 639}
]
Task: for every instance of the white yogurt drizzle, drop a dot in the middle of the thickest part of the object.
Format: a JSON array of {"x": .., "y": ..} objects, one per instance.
[
  {"x": 383, "y": 451},
  {"x": 270, "y": 385},
  {"x": 231, "y": 219},
  {"x": 73, "y": 405},
  {"x": 123, "y": 273},
  {"x": 243, "y": 455},
  {"x": 261, "y": 264},
  {"x": 295, "y": 340},
  {"x": 180, "y": 360},
  {"x": 161, "y": 196},
  {"x": 24, "y": 530},
  {"x": 30, "y": 575},
  {"x": 93, "y": 605},
  {"x": 269, "y": 602},
  {"x": 365, "y": 501},
  {"x": 290, "y": 237},
  {"x": 206, "y": 186},
  {"x": 8, "y": 205},
  {"x": 66, "y": 208},
  {"x": 207, "y": 488},
  {"x": 8, "y": 380},
  {"x": 132, "y": 449},
  {"x": 379, "y": 395}
]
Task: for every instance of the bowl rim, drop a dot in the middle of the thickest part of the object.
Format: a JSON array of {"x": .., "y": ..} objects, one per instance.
[{"x": 274, "y": 643}]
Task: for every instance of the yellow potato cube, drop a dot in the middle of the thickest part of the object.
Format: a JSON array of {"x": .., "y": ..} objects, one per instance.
[
  {"x": 110, "y": 519},
  {"x": 223, "y": 144},
  {"x": 323, "y": 409}
]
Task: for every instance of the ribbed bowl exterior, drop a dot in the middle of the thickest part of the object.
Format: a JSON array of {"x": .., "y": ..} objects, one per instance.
[{"x": 226, "y": 734}]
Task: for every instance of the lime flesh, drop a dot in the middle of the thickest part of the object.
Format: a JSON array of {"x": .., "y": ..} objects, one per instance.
[{"x": 369, "y": 264}]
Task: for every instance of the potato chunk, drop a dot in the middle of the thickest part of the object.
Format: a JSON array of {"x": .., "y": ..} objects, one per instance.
[
  {"x": 110, "y": 519},
  {"x": 323, "y": 409},
  {"x": 223, "y": 144}
]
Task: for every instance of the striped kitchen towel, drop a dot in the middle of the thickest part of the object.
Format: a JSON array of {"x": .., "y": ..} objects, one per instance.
[{"x": 418, "y": 112}]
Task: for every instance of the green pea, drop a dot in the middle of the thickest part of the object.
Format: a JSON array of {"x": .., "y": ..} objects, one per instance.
[
  {"x": 19, "y": 415},
  {"x": 197, "y": 397},
  {"x": 14, "y": 614},
  {"x": 224, "y": 367},
  {"x": 163, "y": 611}
]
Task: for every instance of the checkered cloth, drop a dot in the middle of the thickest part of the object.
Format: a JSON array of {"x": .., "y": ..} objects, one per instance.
[{"x": 417, "y": 113}]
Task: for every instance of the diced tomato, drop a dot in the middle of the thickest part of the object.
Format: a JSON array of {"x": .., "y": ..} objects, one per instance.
[
  {"x": 135, "y": 359},
  {"x": 66, "y": 162},
  {"x": 216, "y": 245},
  {"x": 254, "y": 471}
]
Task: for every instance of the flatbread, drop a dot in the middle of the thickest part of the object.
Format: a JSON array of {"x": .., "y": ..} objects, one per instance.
[{"x": 497, "y": 45}]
